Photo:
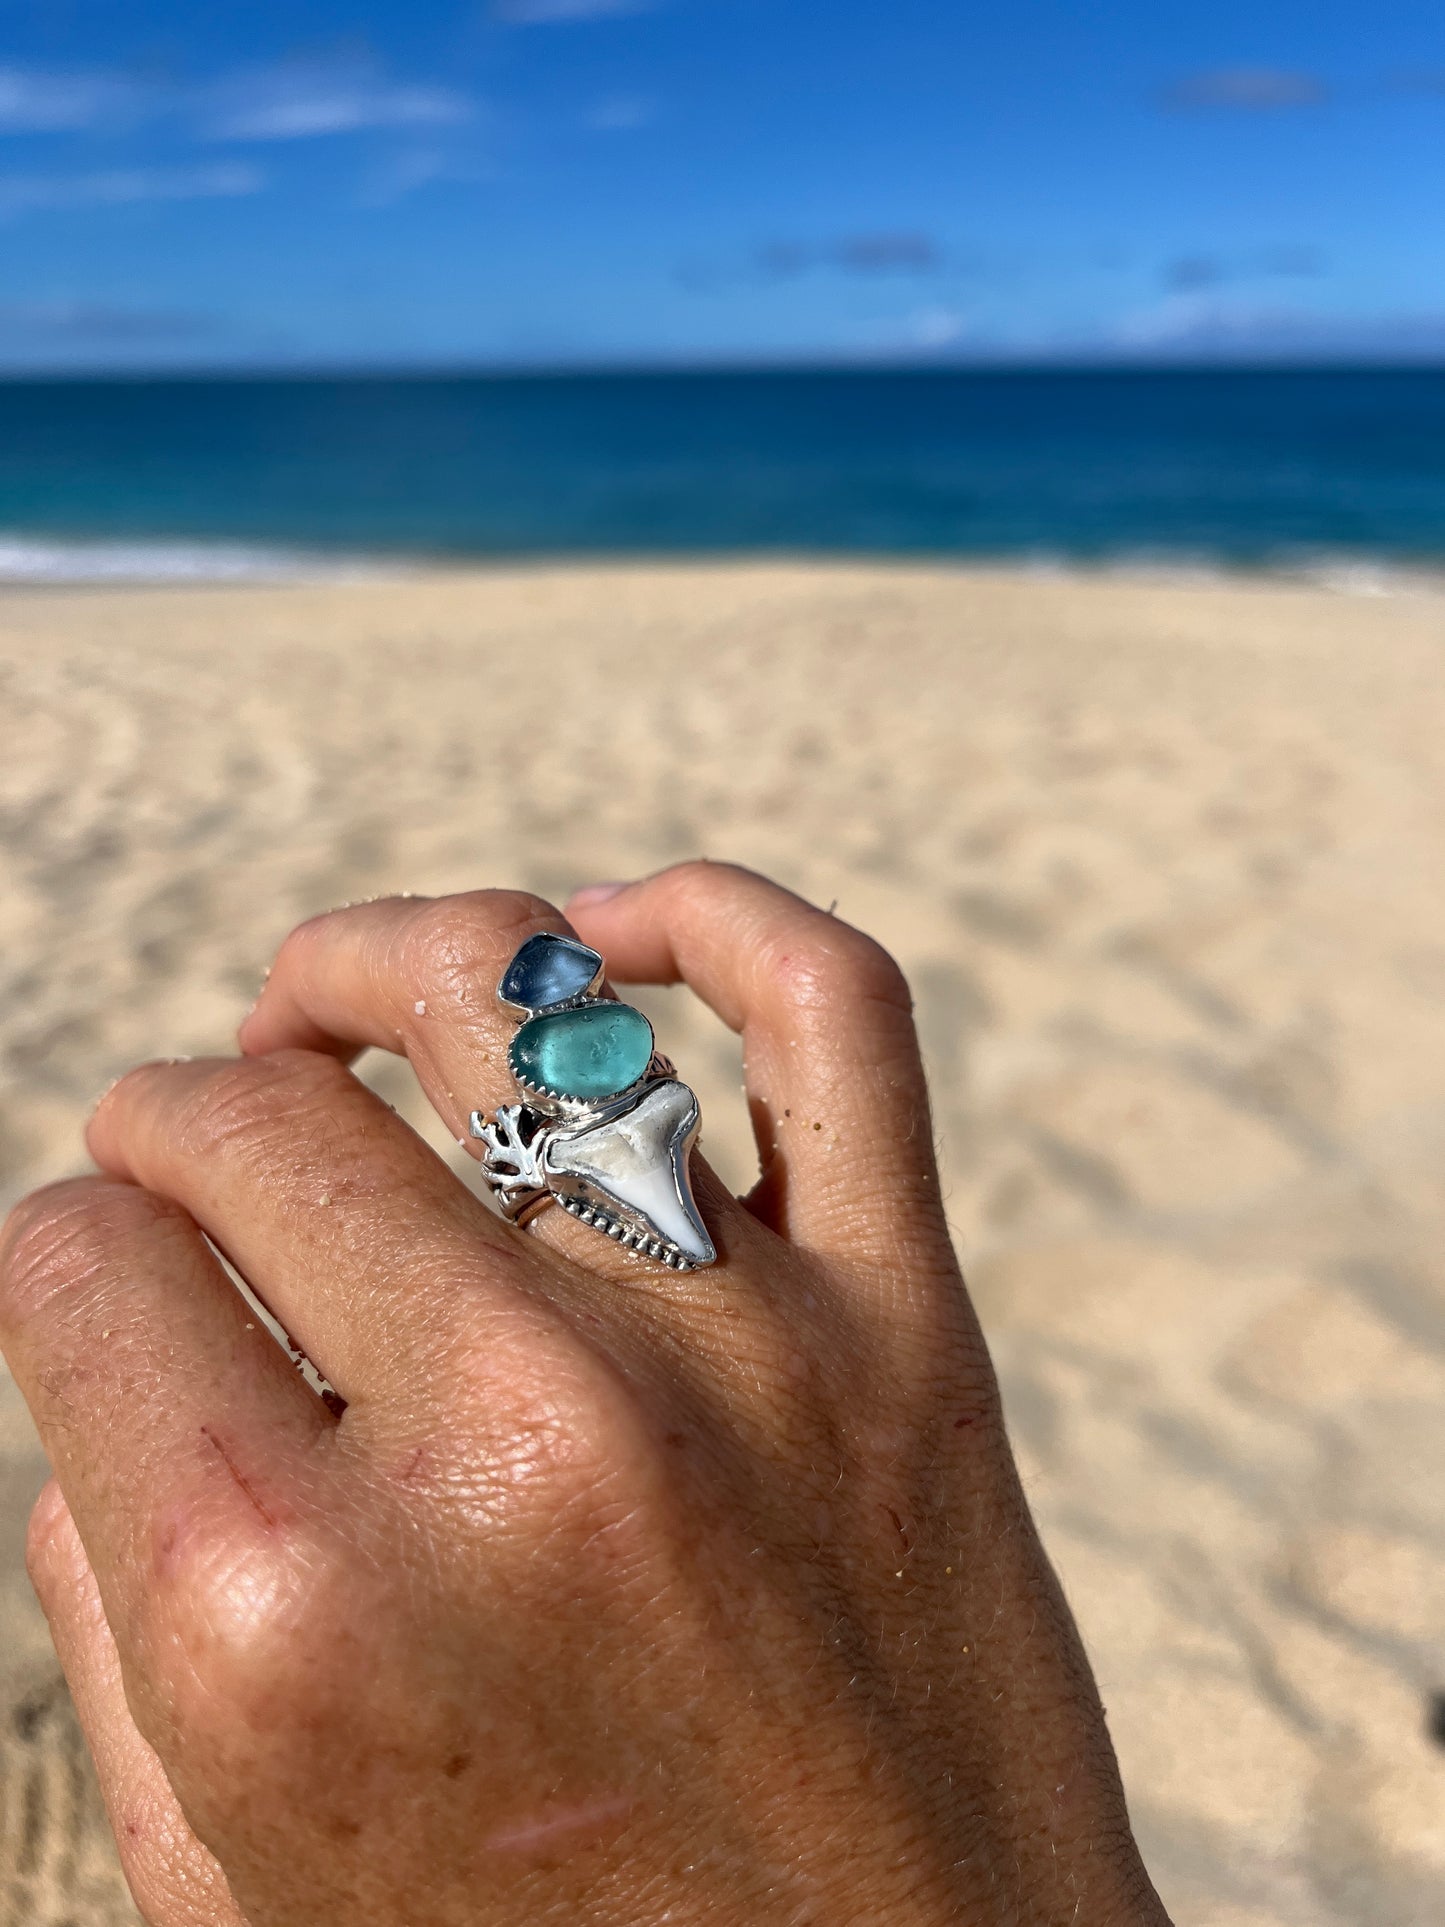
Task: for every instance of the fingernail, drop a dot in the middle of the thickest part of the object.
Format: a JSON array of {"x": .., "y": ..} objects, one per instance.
[
  {"x": 598, "y": 892},
  {"x": 96, "y": 1102},
  {"x": 49, "y": 1510},
  {"x": 255, "y": 1003}
]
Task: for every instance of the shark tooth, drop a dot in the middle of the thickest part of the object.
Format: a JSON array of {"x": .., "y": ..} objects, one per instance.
[{"x": 635, "y": 1166}]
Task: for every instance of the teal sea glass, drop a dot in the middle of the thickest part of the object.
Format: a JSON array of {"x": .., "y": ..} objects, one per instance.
[{"x": 590, "y": 1053}]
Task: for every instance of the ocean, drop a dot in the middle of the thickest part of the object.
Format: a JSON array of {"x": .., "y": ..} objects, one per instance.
[{"x": 1315, "y": 469}]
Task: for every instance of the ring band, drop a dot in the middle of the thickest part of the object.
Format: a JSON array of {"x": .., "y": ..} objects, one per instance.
[{"x": 603, "y": 1126}]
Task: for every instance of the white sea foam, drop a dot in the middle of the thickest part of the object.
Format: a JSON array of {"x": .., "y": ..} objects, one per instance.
[
  {"x": 38, "y": 559},
  {"x": 1355, "y": 575}
]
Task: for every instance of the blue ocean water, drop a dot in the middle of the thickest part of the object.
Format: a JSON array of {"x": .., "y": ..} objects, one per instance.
[{"x": 1230, "y": 467}]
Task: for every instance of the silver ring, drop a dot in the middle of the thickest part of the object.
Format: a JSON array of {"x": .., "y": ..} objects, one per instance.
[{"x": 603, "y": 1127}]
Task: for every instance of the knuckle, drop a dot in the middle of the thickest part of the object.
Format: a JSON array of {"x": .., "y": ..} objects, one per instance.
[
  {"x": 559, "y": 1450},
  {"x": 567, "y": 1458},
  {"x": 308, "y": 944},
  {"x": 242, "y": 1100},
  {"x": 701, "y": 875},
  {"x": 815, "y": 955},
  {"x": 60, "y": 1239},
  {"x": 557, "y": 1446},
  {"x": 247, "y": 1635},
  {"x": 838, "y": 964},
  {"x": 700, "y": 887},
  {"x": 454, "y": 942}
]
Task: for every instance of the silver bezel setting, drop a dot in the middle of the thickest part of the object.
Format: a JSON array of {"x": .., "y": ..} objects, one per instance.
[
  {"x": 577, "y": 1106},
  {"x": 647, "y": 1131}
]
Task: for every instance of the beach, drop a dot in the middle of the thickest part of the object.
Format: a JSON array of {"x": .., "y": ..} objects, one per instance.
[{"x": 1163, "y": 858}]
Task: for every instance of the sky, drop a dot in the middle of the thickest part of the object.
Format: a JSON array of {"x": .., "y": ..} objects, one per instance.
[{"x": 416, "y": 183}]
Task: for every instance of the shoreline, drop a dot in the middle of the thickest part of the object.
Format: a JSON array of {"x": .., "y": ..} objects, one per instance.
[{"x": 35, "y": 561}]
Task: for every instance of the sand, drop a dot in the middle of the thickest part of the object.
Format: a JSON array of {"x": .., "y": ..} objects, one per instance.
[{"x": 1165, "y": 862}]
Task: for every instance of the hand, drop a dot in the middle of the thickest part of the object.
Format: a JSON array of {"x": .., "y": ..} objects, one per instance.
[{"x": 613, "y": 1595}]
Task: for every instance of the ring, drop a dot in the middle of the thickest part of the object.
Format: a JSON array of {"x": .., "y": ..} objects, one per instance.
[{"x": 604, "y": 1127}]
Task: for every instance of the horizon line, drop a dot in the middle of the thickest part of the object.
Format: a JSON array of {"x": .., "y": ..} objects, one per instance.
[{"x": 381, "y": 369}]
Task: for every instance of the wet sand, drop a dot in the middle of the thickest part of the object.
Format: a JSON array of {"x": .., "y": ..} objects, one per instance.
[{"x": 1165, "y": 862}]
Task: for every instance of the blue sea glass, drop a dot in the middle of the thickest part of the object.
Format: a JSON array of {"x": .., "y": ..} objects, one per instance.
[
  {"x": 548, "y": 970},
  {"x": 592, "y": 1052}
]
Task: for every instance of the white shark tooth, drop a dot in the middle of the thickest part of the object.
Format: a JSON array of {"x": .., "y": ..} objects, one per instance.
[{"x": 637, "y": 1164}]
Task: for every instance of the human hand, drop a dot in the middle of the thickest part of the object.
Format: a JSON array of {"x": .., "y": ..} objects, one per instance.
[{"x": 614, "y": 1596}]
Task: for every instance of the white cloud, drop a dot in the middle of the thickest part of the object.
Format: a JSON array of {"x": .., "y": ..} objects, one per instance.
[
  {"x": 1213, "y": 324},
  {"x": 406, "y": 173},
  {"x": 33, "y": 102},
  {"x": 619, "y": 114},
  {"x": 1181, "y": 320},
  {"x": 286, "y": 103},
  {"x": 123, "y": 187},
  {"x": 937, "y": 327},
  {"x": 100, "y": 321},
  {"x": 914, "y": 333},
  {"x": 535, "y": 13},
  {"x": 1258, "y": 90},
  {"x": 302, "y": 104}
]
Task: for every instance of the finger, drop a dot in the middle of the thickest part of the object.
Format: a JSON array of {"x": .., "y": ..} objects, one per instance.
[
  {"x": 164, "y": 1405},
  {"x": 831, "y": 1055},
  {"x": 420, "y": 976},
  {"x": 330, "y": 1207},
  {"x": 175, "y": 1880},
  {"x": 416, "y": 975}
]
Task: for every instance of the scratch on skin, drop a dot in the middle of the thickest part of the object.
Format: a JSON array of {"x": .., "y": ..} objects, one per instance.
[
  {"x": 525, "y": 1836},
  {"x": 898, "y": 1527},
  {"x": 239, "y": 1476}
]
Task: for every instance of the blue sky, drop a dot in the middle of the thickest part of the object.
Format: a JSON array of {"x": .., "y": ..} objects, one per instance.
[{"x": 574, "y": 181}]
